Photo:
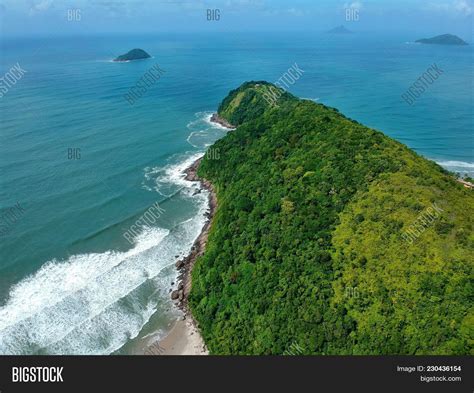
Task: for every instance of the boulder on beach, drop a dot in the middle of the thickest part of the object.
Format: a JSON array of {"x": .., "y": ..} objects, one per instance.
[{"x": 175, "y": 295}]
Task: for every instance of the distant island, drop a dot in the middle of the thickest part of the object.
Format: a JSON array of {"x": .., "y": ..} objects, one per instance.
[
  {"x": 134, "y": 54},
  {"x": 340, "y": 30},
  {"x": 445, "y": 39}
]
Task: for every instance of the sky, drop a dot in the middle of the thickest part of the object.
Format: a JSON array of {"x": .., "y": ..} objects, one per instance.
[{"x": 427, "y": 17}]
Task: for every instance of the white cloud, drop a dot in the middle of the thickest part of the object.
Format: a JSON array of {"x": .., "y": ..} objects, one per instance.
[
  {"x": 463, "y": 7},
  {"x": 354, "y": 5},
  {"x": 244, "y": 3},
  {"x": 295, "y": 11},
  {"x": 42, "y": 5}
]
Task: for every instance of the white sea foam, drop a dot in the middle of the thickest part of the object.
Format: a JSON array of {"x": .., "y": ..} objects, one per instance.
[
  {"x": 56, "y": 280},
  {"x": 194, "y": 137},
  {"x": 204, "y": 132},
  {"x": 169, "y": 179},
  {"x": 175, "y": 173},
  {"x": 93, "y": 303},
  {"x": 458, "y": 166},
  {"x": 207, "y": 119}
]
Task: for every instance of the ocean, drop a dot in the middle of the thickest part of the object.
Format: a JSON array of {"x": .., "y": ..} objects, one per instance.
[{"x": 79, "y": 164}]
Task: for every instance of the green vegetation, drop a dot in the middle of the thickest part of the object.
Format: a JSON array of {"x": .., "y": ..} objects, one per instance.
[
  {"x": 467, "y": 178},
  {"x": 306, "y": 247}
]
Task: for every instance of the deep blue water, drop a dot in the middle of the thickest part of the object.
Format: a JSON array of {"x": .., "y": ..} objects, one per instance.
[{"x": 69, "y": 280}]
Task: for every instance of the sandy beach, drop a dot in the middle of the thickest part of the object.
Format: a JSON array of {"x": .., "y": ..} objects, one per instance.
[{"x": 183, "y": 339}]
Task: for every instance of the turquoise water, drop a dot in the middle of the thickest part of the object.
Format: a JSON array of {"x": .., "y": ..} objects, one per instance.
[{"x": 69, "y": 280}]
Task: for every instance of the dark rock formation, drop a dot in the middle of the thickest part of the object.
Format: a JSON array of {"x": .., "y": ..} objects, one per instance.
[
  {"x": 134, "y": 54},
  {"x": 445, "y": 39}
]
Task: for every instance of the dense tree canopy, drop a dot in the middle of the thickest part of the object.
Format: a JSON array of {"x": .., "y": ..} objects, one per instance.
[{"x": 307, "y": 246}]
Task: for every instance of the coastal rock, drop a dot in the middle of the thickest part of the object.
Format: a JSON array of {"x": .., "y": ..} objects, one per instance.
[
  {"x": 180, "y": 295},
  {"x": 175, "y": 295},
  {"x": 215, "y": 118},
  {"x": 180, "y": 286},
  {"x": 179, "y": 264}
]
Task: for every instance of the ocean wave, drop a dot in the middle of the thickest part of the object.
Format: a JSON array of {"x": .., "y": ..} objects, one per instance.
[
  {"x": 204, "y": 132},
  {"x": 207, "y": 119},
  {"x": 458, "y": 166},
  {"x": 170, "y": 179},
  {"x": 95, "y": 303}
]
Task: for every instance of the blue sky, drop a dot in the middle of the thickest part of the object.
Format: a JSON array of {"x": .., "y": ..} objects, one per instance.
[{"x": 32, "y": 17}]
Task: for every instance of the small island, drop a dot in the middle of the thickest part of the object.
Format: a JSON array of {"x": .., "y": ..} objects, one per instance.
[
  {"x": 445, "y": 39},
  {"x": 340, "y": 30},
  {"x": 134, "y": 54}
]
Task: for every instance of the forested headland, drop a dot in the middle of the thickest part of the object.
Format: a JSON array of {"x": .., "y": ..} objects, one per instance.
[{"x": 331, "y": 236}]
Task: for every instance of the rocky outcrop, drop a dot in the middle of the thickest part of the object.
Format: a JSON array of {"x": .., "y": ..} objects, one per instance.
[{"x": 215, "y": 118}]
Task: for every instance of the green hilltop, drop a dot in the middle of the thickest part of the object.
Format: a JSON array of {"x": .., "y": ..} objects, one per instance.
[{"x": 309, "y": 246}]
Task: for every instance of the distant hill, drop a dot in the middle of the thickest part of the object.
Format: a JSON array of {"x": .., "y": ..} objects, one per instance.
[
  {"x": 134, "y": 54},
  {"x": 445, "y": 39},
  {"x": 331, "y": 236},
  {"x": 340, "y": 30}
]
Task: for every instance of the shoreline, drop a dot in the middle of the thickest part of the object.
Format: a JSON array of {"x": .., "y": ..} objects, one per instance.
[
  {"x": 186, "y": 265},
  {"x": 184, "y": 338},
  {"x": 465, "y": 183},
  {"x": 215, "y": 118}
]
